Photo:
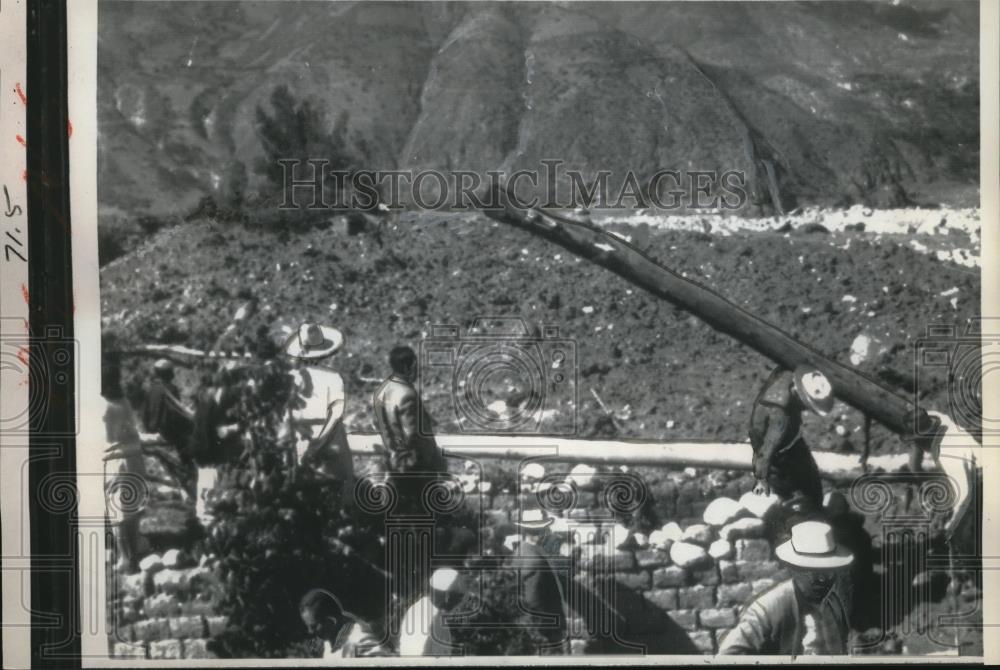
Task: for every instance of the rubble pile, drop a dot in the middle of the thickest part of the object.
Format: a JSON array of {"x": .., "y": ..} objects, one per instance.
[{"x": 167, "y": 610}]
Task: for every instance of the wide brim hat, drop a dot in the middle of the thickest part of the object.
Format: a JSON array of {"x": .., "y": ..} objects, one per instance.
[
  {"x": 312, "y": 341},
  {"x": 533, "y": 519},
  {"x": 812, "y": 545},
  {"x": 808, "y": 381}
]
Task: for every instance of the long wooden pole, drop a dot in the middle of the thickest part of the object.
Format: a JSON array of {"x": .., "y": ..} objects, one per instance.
[{"x": 620, "y": 257}]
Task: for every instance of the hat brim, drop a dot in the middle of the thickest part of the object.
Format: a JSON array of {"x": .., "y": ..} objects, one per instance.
[
  {"x": 333, "y": 340},
  {"x": 534, "y": 525},
  {"x": 822, "y": 407},
  {"x": 839, "y": 558}
]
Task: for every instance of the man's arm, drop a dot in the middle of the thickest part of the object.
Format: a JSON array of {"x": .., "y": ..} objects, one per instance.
[
  {"x": 407, "y": 414},
  {"x": 334, "y": 413},
  {"x": 365, "y": 643},
  {"x": 178, "y": 407},
  {"x": 751, "y": 634},
  {"x": 775, "y": 421}
]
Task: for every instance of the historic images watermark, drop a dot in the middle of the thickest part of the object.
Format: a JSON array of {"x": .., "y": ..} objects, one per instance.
[{"x": 310, "y": 184}]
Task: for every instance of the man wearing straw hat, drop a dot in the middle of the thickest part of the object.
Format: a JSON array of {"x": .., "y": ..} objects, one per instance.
[
  {"x": 805, "y": 614},
  {"x": 317, "y": 419},
  {"x": 542, "y": 600}
]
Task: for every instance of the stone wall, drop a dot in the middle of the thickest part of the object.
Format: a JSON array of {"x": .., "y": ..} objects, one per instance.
[
  {"x": 699, "y": 573},
  {"x": 692, "y": 577},
  {"x": 704, "y": 598},
  {"x": 166, "y": 612}
]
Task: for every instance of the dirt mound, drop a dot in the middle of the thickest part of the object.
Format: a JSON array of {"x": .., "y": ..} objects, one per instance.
[{"x": 185, "y": 284}]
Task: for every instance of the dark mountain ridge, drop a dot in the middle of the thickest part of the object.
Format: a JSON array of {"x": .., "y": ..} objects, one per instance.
[{"x": 845, "y": 102}]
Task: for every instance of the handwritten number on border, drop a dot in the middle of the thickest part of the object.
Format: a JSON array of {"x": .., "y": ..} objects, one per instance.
[{"x": 11, "y": 211}]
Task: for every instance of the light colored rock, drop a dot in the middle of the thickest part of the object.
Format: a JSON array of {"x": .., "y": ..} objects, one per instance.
[
  {"x": 659, "y": 540},
  {"x": 485, "y": 487},
  {"x": 170, "y": 581},
  {"x": 175, "y": 558},
  {"x": 618, "y": 535},
  {"x": 559, "y": 525},
  {"x": 673, "y": 531},
  {"x": 151, "y": 563},
  {"x": 700, "y": 534},
  {"x": 758, "y": 505},
  {"x": 532, "y": 472},
  {"x": 721, "y": 511},
  {"x": 641, "y": 540},
  {"x": 582, "y": 475},
  {"x": 470, "y": 482},
  {"x": 720, "y": 549},
  {"x": 687, "y": 555},
  {"x": 747, "y": 527}
]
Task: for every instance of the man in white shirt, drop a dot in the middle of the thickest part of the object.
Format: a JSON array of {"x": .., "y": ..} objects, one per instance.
[
  {"x": 318, "y": 417},
  {"x": 344, "y": 635},
  {"x": 424, "y": 630}
]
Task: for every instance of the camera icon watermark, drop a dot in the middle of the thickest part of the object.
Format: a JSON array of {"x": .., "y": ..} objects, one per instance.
[
  {"x": 503, "y": 377},
  {"x": 959, "y": 361},
  {"x": 44, "y": 365}
]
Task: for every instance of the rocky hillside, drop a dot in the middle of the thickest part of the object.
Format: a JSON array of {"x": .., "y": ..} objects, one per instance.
[
  {"x": 872, "y": 102},
  {"x": 835, "y": 286}
]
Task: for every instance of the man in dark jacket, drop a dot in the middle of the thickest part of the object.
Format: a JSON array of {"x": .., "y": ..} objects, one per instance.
[
  {"x": 540, "y": 591},
  {"x": 412, "y": 456},
  {"x": 215, "y": 439},
  {"x": 164, "y": 413},
  {"x": 782, "y": 461}
]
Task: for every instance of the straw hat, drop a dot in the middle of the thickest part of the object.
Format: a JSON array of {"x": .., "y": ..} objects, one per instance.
[
  {"x": 313, "y": 341},
  {"x": 533, "y": 519},
  {"x": 814, "y": 389},
  {"x": 163, "y": 365},
  {"x": 812, "y": 546}
]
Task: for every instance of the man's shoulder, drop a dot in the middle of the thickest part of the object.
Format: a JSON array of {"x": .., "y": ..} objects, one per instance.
[
  {"x": 395, "y": 390},
  {"x": 779, "y": 595}
]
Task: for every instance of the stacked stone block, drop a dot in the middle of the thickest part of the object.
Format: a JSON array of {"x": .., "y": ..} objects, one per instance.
[{"x": 165, "y": 612}]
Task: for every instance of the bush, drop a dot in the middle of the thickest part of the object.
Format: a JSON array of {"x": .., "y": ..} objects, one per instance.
[{"x": 280, "y": 531}]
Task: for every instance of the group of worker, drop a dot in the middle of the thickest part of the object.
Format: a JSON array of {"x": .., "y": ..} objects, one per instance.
[{"x": 808, "y": 613}]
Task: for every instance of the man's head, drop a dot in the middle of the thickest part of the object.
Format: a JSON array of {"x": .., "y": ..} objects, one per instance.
[
  {"x": 322, "y": 614},
  {"x": 812, "y": 584},
  {"x": 813, "y": 389},
  {"x": 403, "y": 361},
  {"x": 163, "y": 369},
  {"x": 815, "y": 559}
]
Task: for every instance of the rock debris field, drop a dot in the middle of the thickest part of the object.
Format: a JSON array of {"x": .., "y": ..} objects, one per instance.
[{"x": 861, "y": 286}]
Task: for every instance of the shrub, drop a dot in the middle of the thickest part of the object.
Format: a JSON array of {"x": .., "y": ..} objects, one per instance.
[{"x": 278, "y": 531}]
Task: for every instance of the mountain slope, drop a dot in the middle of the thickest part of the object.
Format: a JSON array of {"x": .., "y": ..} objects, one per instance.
[{"x": 849, "y": 101}]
